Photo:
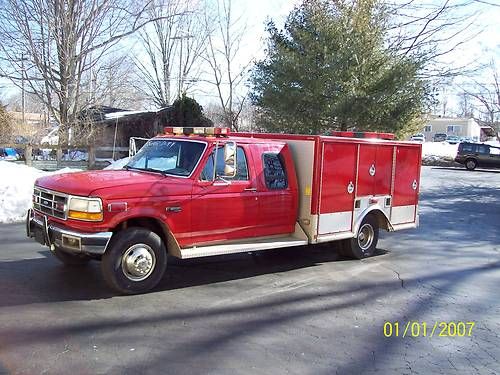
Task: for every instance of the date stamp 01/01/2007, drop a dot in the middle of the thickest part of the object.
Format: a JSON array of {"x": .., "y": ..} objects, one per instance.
[{"x": 424, "y": 329}]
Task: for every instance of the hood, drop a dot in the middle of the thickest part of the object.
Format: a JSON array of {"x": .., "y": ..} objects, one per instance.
[{"x": 86, "y": 183}]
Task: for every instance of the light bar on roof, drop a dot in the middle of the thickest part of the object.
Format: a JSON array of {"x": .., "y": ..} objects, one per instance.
[{"x": 208, "y": 131}]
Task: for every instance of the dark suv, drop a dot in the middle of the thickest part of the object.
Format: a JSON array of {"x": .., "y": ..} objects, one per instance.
[{"x": 474, "y": 155}]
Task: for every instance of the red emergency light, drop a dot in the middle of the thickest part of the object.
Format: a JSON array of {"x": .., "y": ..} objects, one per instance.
[
  {"x": 203, "y": 131},
  {"x": 373, "y": 135}
]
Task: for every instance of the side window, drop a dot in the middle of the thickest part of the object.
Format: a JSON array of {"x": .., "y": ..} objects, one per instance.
[
  {"x": 494, "y": 151},
  {"x": 467, "y": 147},
  {"x": 274, "y": 172},
  {"x": 241, "y": 166},
  {"x": 485, "y": 150}
]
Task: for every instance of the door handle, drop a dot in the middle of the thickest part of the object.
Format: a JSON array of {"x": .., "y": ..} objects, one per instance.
[
  {"x": 251, "y": 189},
  {"x": 174, "y": 209}
]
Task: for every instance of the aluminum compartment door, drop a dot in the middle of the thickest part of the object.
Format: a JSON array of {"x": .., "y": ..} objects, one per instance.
[
  {"x": 406, "y": 184},
  {"x": 366, "y": 170},
  {"x": 383, "y": 174},
  {"x": 338, "y": 178}
]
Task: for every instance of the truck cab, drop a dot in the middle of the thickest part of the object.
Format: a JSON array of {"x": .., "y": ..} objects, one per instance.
[{"x": 189, "y": 191}]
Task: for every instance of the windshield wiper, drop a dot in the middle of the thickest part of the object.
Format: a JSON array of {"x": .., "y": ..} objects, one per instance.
[{"x": 127, "y": 167}]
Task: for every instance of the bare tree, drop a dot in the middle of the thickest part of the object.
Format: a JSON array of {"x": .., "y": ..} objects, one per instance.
[
  {"x": 51, "y": 45},
  {"x": 225, "y": 34},
  {"x": 431, "y": 31},
  {"x": 113, "y": 82},
  {"x": 172, "y": 45},
  {"x": 485, "y": 94}
]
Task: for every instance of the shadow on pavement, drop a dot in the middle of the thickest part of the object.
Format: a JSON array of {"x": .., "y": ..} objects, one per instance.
[{"x": 41, "y": 280}]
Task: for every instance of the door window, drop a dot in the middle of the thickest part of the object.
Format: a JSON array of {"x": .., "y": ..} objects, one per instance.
[
  {"x": 241, "y": 166},
  {"x": 274, "y": 172}
]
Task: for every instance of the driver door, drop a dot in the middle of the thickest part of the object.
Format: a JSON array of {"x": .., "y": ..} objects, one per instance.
[{"x": 224, "y": 210}]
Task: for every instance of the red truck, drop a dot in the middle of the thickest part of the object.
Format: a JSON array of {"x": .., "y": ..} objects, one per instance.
[{"x": 195, "y": 192}]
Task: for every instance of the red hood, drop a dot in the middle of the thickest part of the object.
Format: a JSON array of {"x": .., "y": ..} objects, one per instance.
[{"x": 85, "y": 183}]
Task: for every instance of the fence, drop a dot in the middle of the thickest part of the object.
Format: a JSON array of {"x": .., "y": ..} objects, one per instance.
[{"x": 53, "y": 157}]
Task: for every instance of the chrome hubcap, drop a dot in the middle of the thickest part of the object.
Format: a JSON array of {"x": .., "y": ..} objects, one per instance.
[
  {"x": 365, "y": 236},
  {"x": 138, "y": 262}
]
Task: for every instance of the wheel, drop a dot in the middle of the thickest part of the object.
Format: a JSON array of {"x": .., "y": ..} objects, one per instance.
[
  {"x": 135, "y": 261},
  {"x": 365, "y": 242},
  {"x": 68, "y": 259},
  {"x": 470, "y": 164}
]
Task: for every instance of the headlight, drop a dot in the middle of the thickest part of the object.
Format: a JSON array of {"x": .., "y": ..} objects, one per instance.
[{"x": 89, "y": 209}]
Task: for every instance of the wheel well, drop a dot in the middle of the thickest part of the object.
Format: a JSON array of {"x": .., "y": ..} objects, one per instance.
[
  {"x": 153, "y": 225},
  {"x": 381, "y": 219}
]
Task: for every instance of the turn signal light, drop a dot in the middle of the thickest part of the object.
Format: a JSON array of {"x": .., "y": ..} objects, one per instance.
[{"x": 80, "y": 215}]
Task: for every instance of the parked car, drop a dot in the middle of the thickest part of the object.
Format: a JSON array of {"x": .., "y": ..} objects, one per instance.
[
  {"x": 9, "y": 154},
  {"x": 439, "y": 137},
  {"x": 474, "y": 155},
  {"x": 418, "y": 138},
  {"x": 452, "y": 139}
]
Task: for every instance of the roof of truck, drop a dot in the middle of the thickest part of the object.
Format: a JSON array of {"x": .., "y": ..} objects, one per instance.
[{"x": 212, "y": 139}]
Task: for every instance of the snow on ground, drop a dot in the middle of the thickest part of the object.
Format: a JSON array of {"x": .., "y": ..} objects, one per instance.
[
  {"x": 118, "y": 164},
  {"x": 16, "y": 188},
  {"x": 442, "y": 149}
]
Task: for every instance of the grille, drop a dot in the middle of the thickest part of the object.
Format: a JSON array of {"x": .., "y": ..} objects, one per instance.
[{"x": 50, "y": 202}]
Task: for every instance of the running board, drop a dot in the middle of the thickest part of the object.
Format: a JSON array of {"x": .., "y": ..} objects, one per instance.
[{"x": 242, "y": 247}]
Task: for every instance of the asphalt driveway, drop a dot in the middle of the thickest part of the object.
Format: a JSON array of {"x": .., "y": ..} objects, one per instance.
[{"x": 292, "y": 311}]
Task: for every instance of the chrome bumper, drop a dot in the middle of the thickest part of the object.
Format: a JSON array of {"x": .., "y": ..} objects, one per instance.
[{"x": 68, "y": 240}]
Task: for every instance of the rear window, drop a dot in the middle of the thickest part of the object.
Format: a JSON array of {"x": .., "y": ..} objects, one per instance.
[{"x": 274, "y": 172}]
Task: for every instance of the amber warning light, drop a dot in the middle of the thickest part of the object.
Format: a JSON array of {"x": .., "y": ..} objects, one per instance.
[{"x": 208, "y": 131}]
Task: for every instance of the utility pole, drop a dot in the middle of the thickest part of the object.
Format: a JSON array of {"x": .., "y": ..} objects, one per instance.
[
  {"x": 23, "y": 94},
  {"x": 180, "y": 80}
]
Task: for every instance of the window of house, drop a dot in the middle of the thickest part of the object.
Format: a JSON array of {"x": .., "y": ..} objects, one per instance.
[
  {"x": 428, "y": 128},
  {"x": 274, "y": 172},
  {"x": 453, "y": 129},
  {"x": 241, "y": 166}
]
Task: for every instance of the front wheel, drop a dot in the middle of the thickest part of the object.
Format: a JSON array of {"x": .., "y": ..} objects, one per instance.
[
  {"x": 135, "y": 261},
  {"x": 365, "y": 243}
]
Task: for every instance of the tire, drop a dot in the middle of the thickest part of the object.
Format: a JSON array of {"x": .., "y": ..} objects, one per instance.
[
  {"x": 72, "y": 260},
  {"x": 470, "y": 164},
  {"x": 120, "y": 267},
  {"x": 365, "y": 242}
]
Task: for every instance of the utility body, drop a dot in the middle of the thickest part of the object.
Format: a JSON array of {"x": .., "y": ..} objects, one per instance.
[{"x": 194, "y": 195}]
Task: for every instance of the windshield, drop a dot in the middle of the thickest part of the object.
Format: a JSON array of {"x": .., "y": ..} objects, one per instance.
[{"x": 167, "y": 156}]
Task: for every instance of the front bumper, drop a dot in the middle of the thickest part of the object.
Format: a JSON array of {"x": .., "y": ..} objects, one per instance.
[{"x": 55, "y": 236}]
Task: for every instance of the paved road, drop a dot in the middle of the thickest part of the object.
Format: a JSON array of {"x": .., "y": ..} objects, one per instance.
[{"x": 293, "y": 311}]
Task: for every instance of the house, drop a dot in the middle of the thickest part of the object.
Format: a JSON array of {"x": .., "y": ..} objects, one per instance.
[{"x": 461, "y": 127}]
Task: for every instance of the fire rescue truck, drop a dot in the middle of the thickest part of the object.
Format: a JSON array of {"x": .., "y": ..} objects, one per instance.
[{"x": 196, "y": 192}]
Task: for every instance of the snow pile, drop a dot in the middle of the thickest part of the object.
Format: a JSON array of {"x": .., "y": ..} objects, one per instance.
[
  {"x": 441, "y": 149},
  {"x": 438, "y": 153},
  {"x": 16, "y": 188},
  {"x": 118, "y": 164}
]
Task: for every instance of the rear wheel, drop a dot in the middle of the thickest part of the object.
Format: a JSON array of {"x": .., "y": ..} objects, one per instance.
[
  {"x": 135, "y": 261},
  {"x": 365, "y": 242},
  {"x": 73, "y": 260},
  {"x": 470, "y": 164}
]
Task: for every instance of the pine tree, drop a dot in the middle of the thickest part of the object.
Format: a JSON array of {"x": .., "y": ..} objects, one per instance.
[{"x": 330, "y": 69}]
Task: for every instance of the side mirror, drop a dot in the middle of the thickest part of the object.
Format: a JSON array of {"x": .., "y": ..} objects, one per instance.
[{"x": 230, "y": 159}]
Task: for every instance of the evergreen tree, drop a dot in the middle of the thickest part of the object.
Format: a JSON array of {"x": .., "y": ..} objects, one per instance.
[{"x": 330, "y": 69}]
